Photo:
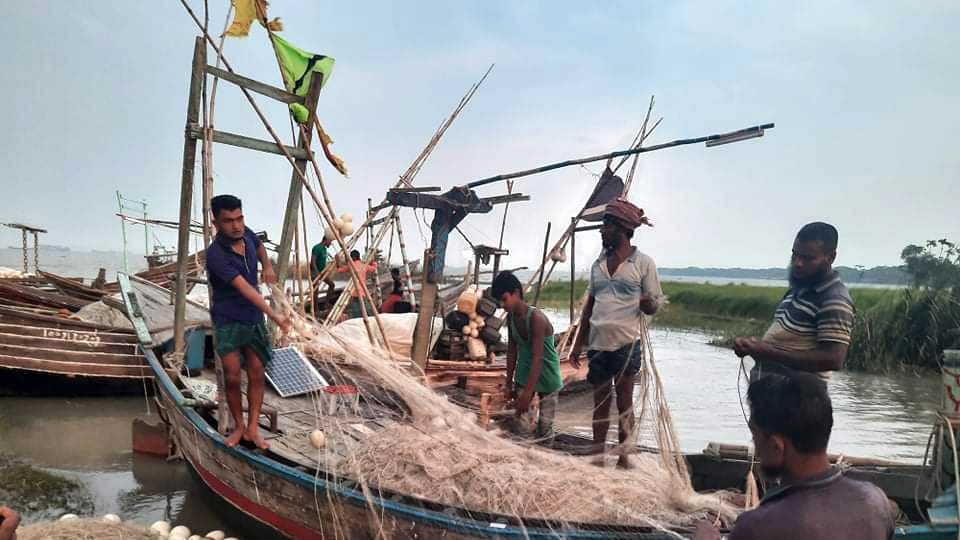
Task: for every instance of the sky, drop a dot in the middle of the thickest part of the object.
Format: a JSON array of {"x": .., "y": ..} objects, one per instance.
[{"x": 864, "y": 96}]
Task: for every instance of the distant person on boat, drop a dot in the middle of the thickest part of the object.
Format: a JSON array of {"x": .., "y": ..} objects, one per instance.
[
  {"x": 358, "y": 293},
  {"x": 395, "y": 302},
  {"x": 813, "y": 322},
  {"x": 533, "y": 365},
  {"x": 9, "y": 521},
  {"x": 624, "y": 287},
  {"x": 238, "y": 308},
  {"x": 318, "y": 261},
  {"x": 790, "y": 420}
]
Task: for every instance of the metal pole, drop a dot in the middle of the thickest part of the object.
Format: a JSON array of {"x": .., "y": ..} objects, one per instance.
[
  {"x": 123, "y": 232},
  {"x": 26, "y": 264},
  {"x": 186, "y": 193},
  {"x": 36, "y": 251},
  {"x": 146, "y": 231}
]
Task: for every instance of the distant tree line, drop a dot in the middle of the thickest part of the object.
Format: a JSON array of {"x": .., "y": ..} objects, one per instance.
[{"x": 887, "y": 275}]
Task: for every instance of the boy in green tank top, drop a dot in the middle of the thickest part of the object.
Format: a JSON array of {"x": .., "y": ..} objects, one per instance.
[{"x": 533, "y": 365}]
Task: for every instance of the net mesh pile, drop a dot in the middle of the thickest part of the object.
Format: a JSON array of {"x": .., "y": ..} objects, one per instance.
[{"x": 437, "y": 451}]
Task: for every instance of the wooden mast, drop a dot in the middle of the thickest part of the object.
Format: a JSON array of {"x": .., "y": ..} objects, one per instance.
[
  {"x": 186, "y": 190},
  {"x": 294, "y": 195}
]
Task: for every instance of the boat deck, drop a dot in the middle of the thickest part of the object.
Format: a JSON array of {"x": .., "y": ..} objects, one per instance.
[{"x": 298, "y": 416}]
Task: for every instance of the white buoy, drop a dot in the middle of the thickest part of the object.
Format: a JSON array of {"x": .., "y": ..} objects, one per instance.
[
  {"x": 161, "y": 527},
  {"x": 317, "y": 439},
  {"x": 215, "y": 535},
  {"x": 68, "y": 517},
  {"x": 347, "y": 218},
  {"x": 180, "y": 532},
  {"x": 231, "y": 538},
  {"x": 112, "y": 518},
  {"x": 195, "y": 537}
]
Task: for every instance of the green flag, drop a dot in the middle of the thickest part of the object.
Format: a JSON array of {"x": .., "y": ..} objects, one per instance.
[{"x": 298, "y": 66}]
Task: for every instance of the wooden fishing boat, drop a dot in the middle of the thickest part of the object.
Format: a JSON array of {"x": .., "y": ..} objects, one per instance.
[
  {"x": 287, "y": 489},
  {"x": 44, "y": 354}
]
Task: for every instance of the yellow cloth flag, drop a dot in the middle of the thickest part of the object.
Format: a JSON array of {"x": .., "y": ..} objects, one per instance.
[{"x": 247, "y": 11}]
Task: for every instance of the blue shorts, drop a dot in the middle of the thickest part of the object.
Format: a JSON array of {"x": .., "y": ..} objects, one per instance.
[{"x": 605, "y": 365}]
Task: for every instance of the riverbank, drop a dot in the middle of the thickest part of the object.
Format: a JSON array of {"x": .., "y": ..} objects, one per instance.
[
  {"x": 39, "y": 494},
  {"x": 895, "y": 329}
]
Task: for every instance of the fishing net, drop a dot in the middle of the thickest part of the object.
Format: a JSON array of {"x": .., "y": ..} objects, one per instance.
[
  {"x": 84, "y": 529},
  {"x": 435, "y": 450}
]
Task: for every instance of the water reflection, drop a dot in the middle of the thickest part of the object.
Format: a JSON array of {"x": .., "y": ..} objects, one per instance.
[
  {"x": 885, "y": 416},
  {"x": 89, "y": 440}
]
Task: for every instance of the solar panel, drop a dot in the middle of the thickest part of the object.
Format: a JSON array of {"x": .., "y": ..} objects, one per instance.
[{"x": 291, "y": 374}]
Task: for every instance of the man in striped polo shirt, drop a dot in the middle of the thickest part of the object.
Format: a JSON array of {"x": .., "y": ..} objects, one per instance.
[{"x": 812, "y": 324}]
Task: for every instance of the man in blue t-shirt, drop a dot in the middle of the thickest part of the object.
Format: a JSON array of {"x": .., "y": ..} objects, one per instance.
[{"x": 237, "y": 311}]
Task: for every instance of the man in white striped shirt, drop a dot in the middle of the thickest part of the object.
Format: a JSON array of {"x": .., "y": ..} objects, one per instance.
[{"x": 813, "y": 322}]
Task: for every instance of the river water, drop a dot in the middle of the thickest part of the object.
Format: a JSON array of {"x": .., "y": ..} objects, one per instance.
[{"x": 89, "y": 439}]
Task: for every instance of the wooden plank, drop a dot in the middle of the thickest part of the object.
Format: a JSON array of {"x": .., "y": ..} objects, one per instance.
[
  {"x": 250, "y": 84},
  {"x": 71, "y": 341},
  {"x": 72, "y": 287},
  {"x": 503, "y": 199},
  {"x": 68, "y": 334},
  {"x": 195, "y": 131},
  {"x": 134, "y": 309},
  {"x": 74, "y": 369},
  {"x": 41, "y": 298},
  {"x": 14, "y": 316},
  {"x": 75, "y": 356}
]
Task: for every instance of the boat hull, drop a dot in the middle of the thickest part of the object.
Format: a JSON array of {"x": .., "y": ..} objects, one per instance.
[{"x": 42, "y": 355}]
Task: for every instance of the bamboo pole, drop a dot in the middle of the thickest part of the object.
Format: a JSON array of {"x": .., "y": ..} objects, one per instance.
[
  {"x": 342, "y": 301},
  {"x": 372, "y": 254},
  {"x": 640, "y": 134},
  {"x": 573, "y": 265},
  {"x": 280, "y": 146},
  {"x": 562, "y": 242},
  {"x": 601, "y": 157},
  {"x": 310, "y": 286},
  {"x": 406, "y": 263},
  {"x": 209, "y": 108},
  {"x": 543, "y": 262},
  {"x": 208, "y": 125},
  {"x": 297, "y": 272},
  {"x": 503, "y": 224},
  {"x": 408, "y": 176}
]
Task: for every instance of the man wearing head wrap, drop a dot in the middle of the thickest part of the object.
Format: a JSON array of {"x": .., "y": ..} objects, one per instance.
[{"x": 624, "y": 287}]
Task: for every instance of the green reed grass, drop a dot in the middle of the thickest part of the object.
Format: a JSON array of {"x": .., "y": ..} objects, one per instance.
[{"x": 895, "y": 329}]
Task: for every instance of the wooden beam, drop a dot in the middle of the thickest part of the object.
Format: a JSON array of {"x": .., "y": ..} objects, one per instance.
[
  {"x": 294, "y": 195},
  {"x": 417, "y": 189},
  {"x": 501, "y": 199},
  {"x": 586, "y": 228},
  {"x": 195, "y": 131},
  {"x": 186, "y": 192},
  {"x": 273, "y": 92}
]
